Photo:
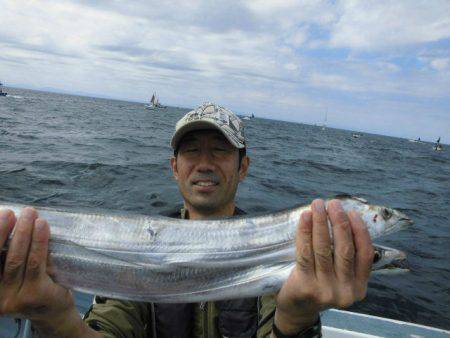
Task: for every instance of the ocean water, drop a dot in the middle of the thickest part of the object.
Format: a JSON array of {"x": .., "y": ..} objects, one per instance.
[{"x": 98, "y": 155}]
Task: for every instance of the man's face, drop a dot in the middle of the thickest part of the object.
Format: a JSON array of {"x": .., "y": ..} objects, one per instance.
[{"x": 207, "y": 170}]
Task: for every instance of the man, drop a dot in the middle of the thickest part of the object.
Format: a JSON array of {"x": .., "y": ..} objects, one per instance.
[{"x": 209, "y": 162}]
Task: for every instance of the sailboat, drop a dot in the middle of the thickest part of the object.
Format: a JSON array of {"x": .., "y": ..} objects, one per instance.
[
  {"x": 438, "y": 146},
  {"x": 154, "y": 103},
  {"x": 2, "y": 93}
]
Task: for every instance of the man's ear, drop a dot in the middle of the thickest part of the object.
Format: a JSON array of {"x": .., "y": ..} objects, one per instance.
[
  {"x": 173, "y": 165},
  {"x": 245, "y": 163}
]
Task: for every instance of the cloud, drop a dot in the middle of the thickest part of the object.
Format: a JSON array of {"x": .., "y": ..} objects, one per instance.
[
  {"x": 373, "y": 25},
  {"x": 263, "y": 56},
  {"x": 440, "y": 64}
]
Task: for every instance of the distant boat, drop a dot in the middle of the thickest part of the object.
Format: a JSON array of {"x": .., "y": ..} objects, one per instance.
[
  {"x": 356, "y": 135},
  {"x": 438, "y": 146},
  {"x": 2, "y": 93},
  {"x": 154, "y": 103},
  {"x": 416, "y": 140},
  {"x": 248, "y": 117}
]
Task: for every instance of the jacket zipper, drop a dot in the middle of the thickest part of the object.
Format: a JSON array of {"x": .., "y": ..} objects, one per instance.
[
  {"x": 153, "y": 314},
  {"x": 204, "y": 309}
]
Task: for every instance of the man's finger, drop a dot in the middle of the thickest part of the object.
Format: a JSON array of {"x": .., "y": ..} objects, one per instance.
[
  {"x": 18, "y": 249},
  {"x": 344, "y": 249},
  {"x": 7, "y": 221},
  {"x": 321, "y": 239},
  {"x": 364, "y": 252},
  {"x": 303, "y": 242},
  {"x": 37, "y": 257}
]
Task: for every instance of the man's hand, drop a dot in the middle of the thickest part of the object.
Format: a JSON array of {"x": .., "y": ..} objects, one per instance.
[
  {"x": 26, "y": 288},
  {"x": 328, "y": 273}
]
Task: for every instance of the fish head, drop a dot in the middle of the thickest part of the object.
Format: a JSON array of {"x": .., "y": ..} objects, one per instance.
[
  {"x": 384, "y": 220},
  {"x": 380, "y": 220},
  {"x": 389, "y": 261},
  {"x": 388, "y": 258}
]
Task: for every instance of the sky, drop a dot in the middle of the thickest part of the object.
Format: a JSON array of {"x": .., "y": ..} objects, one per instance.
[{"x": 372, "y": 66}]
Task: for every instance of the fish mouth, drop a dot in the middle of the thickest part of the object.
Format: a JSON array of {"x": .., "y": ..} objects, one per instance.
[
  {"x": 399, "y": 263},
  {"x": 402, "y": 219},
  {"x": 405, "y": 221},
  {"x": 398, "y": 224}
]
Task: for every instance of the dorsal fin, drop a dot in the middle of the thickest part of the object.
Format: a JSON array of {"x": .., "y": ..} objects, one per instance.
[{"x": 348, "y": 196}]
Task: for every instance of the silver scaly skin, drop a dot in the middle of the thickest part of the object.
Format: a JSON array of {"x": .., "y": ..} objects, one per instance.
[{"x": 163, "y": 259}]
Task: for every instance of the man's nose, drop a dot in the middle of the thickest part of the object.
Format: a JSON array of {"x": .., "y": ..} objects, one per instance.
[{"x": 205, "y": 161}]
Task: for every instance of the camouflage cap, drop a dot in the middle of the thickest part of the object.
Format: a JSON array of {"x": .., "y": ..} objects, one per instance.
[{"x": 211, "y": 116}]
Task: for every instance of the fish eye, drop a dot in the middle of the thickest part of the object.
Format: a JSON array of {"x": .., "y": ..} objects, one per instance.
[
  {"x": 376, "y": 256},
  {"x": 386, "y": 213}
]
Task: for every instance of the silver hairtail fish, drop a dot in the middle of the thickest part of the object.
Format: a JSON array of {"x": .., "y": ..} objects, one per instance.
[
  {"x": 162, "y": 259},
  {"x": 387, "y": 261}
]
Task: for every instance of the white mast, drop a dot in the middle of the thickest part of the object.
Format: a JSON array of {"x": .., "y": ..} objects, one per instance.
[{"x": 324, "y": 125}]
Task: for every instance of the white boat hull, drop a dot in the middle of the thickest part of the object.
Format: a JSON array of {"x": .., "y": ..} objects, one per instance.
[
  {"x": 346, "y": 324},
  {"x": 154, "y": 107}
]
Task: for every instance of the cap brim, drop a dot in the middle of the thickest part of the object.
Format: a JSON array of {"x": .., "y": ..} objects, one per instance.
[{"x": 201, "y": 125}]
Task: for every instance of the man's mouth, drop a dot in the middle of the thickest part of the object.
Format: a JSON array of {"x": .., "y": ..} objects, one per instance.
[{"x": 205, "y": 183}]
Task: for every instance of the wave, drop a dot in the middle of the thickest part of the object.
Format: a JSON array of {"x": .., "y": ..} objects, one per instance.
[
  {"x": 12, "y": 171},
  {"x": 45, "y": 198},
  {"x": 51, "y": 182},
  {"x": 309, "y": 164},
  {"x": 95, "y": 166}
]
